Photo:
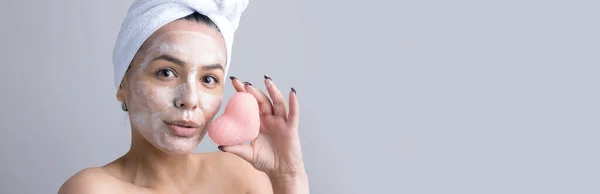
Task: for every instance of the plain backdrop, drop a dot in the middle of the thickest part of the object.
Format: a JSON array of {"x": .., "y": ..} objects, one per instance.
[{"x": 414, "y": 97}]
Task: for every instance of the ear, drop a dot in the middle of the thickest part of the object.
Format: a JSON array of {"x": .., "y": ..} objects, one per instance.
[{"x": 121, "y": 92}]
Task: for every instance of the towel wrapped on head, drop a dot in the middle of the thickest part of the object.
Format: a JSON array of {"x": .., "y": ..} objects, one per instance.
[{"x": 146, "y": 16}]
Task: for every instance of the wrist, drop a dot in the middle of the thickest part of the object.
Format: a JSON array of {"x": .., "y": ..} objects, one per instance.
[{"x": 291, "y": 183}]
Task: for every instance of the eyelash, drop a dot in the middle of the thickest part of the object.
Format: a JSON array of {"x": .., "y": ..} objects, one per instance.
[
  {"x": 161, "y": 71},
  {"x": 210, "y": 76}
]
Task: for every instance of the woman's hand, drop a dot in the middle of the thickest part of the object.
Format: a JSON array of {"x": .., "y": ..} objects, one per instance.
[{"x": 276, "y": 151}]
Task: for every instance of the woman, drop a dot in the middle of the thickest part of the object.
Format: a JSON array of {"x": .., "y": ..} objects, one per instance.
[{"x": 171, "y": 90}]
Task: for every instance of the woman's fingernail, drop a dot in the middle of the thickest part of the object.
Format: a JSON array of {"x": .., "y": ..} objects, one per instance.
[
  {"x": 248, "y": 83},
  {"x": 267, "y": 77},
  {"x": 221, "y": 148},
  {"x": 293, "y": 90},
  {"x": 232, "y": 77}
]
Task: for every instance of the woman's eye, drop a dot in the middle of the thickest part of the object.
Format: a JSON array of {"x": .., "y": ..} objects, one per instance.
[
  {"x": 168, "y": 73},
  {"x": 209, "y": 80}
]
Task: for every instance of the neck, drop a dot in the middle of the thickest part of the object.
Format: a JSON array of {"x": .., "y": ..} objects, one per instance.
[{"x": 151, "y": 167}]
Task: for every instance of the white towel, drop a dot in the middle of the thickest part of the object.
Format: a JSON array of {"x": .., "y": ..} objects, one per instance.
[{"x": 146, "y": 16}]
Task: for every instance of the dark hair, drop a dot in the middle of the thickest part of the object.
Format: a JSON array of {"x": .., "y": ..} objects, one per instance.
[{"x": 198, "y": 17}]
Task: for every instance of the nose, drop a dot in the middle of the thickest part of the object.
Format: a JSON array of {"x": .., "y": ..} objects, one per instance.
[{"x": 188, "y": 98}]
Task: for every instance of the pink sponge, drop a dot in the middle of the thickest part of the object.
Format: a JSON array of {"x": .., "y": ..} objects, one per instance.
[{"x": 239, "y": 123}]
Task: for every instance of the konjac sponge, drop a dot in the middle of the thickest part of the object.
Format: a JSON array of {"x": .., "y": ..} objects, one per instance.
[{"x": 239, "y": 123}]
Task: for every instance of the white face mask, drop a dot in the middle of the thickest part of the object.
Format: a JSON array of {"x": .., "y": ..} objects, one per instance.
[{"x": 153, "y": 105}]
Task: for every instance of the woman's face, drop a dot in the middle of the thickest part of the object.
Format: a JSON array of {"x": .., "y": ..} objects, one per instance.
[{"x": 174, "y": 86}]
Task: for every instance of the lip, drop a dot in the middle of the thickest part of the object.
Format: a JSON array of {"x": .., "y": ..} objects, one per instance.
[
  {"x": 182, "y": 123},
  {"x": 183, "y": 128}
]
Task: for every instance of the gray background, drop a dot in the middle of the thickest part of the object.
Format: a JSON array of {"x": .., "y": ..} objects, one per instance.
[{"x": 396, "y": 96}]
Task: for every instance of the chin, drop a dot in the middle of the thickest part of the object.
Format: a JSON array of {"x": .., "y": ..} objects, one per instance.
[
  {"x": 178, "y": 145},
  {"x": 156, "y": 132}
]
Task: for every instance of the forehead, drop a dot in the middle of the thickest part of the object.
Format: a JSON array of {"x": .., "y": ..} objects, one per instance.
[
  {"x": 185, "y": 32},
  {"x": 186, "y": 39}
]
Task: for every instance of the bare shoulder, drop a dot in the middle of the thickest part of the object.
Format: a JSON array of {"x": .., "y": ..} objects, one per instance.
[
  {"x": 89, "y": 181},
  {"x": 240, "y": 171}
]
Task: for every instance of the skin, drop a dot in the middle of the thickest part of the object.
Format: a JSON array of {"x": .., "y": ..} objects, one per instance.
[{"x": 177, "y": 76}]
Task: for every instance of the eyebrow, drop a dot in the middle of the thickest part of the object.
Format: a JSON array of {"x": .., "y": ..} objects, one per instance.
[
  {"x": 181, "y": 62},
  {"x": 213, "y": 67},
  {"x": 170, "y": 59}
]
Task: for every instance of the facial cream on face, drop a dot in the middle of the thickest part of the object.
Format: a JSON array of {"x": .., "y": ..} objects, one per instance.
[{"x": 153, "y": 106}]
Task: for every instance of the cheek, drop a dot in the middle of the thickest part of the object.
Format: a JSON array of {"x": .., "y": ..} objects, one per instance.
[
  {"x": 151, "y": 98},
  {"x": 210, "y": 103}
]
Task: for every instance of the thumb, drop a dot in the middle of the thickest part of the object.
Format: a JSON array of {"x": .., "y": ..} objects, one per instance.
[{"x": 243, "y": 151}]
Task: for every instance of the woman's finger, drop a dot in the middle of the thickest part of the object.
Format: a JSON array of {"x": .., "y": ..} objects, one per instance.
[
  {"x": 237, "y": 84},
  {"x": 244, "y": 151},
  {"x": 264, "y": 103},
  {"x": 294, "y": 114},
  {"x": 279, "y": 108}
]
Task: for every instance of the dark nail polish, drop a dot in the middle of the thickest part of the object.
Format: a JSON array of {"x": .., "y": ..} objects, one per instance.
[
  {"x": 221, "y": 148},
  {"x": 232, "y": 77},
  {"x": 248, "y": 83},
  {"x": 293, "y": 90},
  {"x": 267, "y": 77}
]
